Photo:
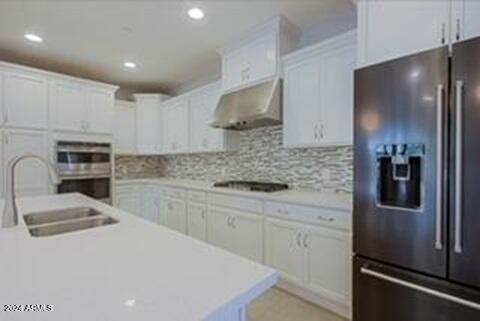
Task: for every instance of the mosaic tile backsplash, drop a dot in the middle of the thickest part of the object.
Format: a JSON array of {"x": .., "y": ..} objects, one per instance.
[{"x": 260, "y": 157}]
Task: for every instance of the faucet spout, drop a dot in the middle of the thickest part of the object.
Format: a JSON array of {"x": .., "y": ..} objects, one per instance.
[{"x": 10, "y": 212}]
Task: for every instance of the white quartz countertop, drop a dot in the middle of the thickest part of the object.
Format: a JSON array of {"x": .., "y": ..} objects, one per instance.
[
  {"x": 312, "y": 198},
  {"x": 133, "y": 270}
]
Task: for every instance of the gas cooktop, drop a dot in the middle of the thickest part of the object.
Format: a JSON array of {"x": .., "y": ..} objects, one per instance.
[{"x": 252, "y": 186}]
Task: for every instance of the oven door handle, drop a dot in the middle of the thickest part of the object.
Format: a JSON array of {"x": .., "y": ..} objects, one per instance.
[
  {"x": 420, "y": 288},
  {"x": 80, "y": 177}
]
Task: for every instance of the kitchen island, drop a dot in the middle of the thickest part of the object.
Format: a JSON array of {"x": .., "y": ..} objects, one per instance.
[{"x": 131, "y": 270}]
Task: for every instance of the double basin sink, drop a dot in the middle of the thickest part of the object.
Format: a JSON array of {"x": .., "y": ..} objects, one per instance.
[{"x": 48, "y": 223}]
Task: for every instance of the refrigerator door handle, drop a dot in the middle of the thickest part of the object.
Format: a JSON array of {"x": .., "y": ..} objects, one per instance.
[
  {"x": 458, "y": 165},
  {"x": 420, "y": 288},
  {"x": 439, "y": 165}
]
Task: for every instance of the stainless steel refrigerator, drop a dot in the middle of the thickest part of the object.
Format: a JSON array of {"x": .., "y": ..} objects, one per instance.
[{"x": 417, "y": 187}]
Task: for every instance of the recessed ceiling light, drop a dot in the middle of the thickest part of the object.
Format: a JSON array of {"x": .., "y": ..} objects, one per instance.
[
  {"x": 196, "y": 13},
  {"x": 33, "y": 37},
  {"x": 129, "y": 64}
]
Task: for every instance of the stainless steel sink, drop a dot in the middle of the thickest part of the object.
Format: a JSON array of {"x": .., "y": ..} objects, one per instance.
[
  {"x": 70, "y": 226},
  {"x": 59, "y": 215}
]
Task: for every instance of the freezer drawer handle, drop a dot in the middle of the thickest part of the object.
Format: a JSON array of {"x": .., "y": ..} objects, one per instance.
[
  {"x": 439, "y": 198},
  {"x": 420, "y": 288},
  {"x": 458, "y": 166}
]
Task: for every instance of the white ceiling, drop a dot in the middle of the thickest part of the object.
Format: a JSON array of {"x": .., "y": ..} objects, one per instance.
[{"x": 93, "y": 38}]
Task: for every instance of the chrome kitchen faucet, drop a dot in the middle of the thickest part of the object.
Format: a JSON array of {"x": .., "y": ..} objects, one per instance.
[{"x": 10, "y": 211}]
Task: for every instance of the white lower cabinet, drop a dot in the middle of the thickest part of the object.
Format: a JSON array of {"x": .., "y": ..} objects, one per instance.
[
  {"x": 31, "y": 177},
  {"x": 314, "y": 258},
  {"x": 238, "y": 232},
  {"x": 151, "y": 206},
  {"x": 197, "y": 221},
  {"x": 128, "y": 199},
  {"x": 328, "y": 262},
  {"x": 283, "y": 249},
  {"x": 174, "y": 214}
]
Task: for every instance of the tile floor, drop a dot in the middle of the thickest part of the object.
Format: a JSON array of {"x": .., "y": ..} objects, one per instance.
[{"x": 278, "y": 305}]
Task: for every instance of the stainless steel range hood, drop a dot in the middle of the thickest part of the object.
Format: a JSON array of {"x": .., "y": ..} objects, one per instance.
[{"x": 252, "y": 107}]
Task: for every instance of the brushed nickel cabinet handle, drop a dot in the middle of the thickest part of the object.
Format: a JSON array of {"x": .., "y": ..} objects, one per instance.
[
  {"x": 299, "y": 236},
  {"x": 305, "y": 241}
]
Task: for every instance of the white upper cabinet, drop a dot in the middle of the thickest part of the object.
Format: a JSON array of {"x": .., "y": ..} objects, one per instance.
[
  {"x": 176, "y": 125},
  {"x": 256, "y": 57},
  {"x": 68, "y": 105},
  {"x": 30, "y": 175},
  {"x": 81, "y": 107},
  {"x": 318, "y": 94},
  {"x": 393, "y": 28},
  {"x": 100, "y": 111},
  {"x": 25, "y": 99},
  {"x": 149, "y": 123},
  {"x": 465, "y": 21},
  {"x": 124, "y": 132},
  {"x": 389, "y": 29},
  {"x": 203, "y": 137}
]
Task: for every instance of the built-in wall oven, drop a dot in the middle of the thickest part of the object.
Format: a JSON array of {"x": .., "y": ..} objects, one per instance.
[{"x": 85, "y": 168}]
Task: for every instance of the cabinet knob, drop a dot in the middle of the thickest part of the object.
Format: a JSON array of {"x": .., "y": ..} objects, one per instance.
[{"x": 299, "y": 236}]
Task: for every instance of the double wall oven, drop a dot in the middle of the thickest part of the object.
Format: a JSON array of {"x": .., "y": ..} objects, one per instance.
[{"x": 85, "y": 168}]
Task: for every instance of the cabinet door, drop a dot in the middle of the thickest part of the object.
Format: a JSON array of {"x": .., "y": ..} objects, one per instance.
[
  {"x": 328, "y": 263},
  {"x": 204, "y": 138},
  {"x": 129, "y": 203},
  {"x": 124, "y": 132},
  {"x": 395, "y": 28},
  {"x": 233, "y": 73},
  {"x": 26, "y": 100},
  {"x": 175, "y": 215},
  {"x": 176, "y": 126},
  {"x": 148, "y": 126},
  {"x": 1, "y": 97},
  {"x": 151, "y": 205},
  {"x": 283, "y": 249},
  {"x": 100, "y": 111},
  {"x": 197, "y": 221},
  {"x": 219, "y": 230},
  {"x": 465, "y": 22},
  {"x": 261, "y": 59},
  {"x": 31, "y": 176},
  {"x": 248, "y": 236},
  {"x": 302, "y": 103},
  {"x": 68, "y": 105},
  {"x": 198, "y": 123},
  {"x": 336, "y": 96}
]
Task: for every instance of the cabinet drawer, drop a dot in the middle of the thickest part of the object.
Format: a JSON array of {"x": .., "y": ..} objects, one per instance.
[
  {"x": 197, "y": 196},
  {"x": 310, "y": 214},
  {"x": 236, "y": 202},
  {"x": 174, "y": 192},
  {"x": 127, "y": 189}
]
